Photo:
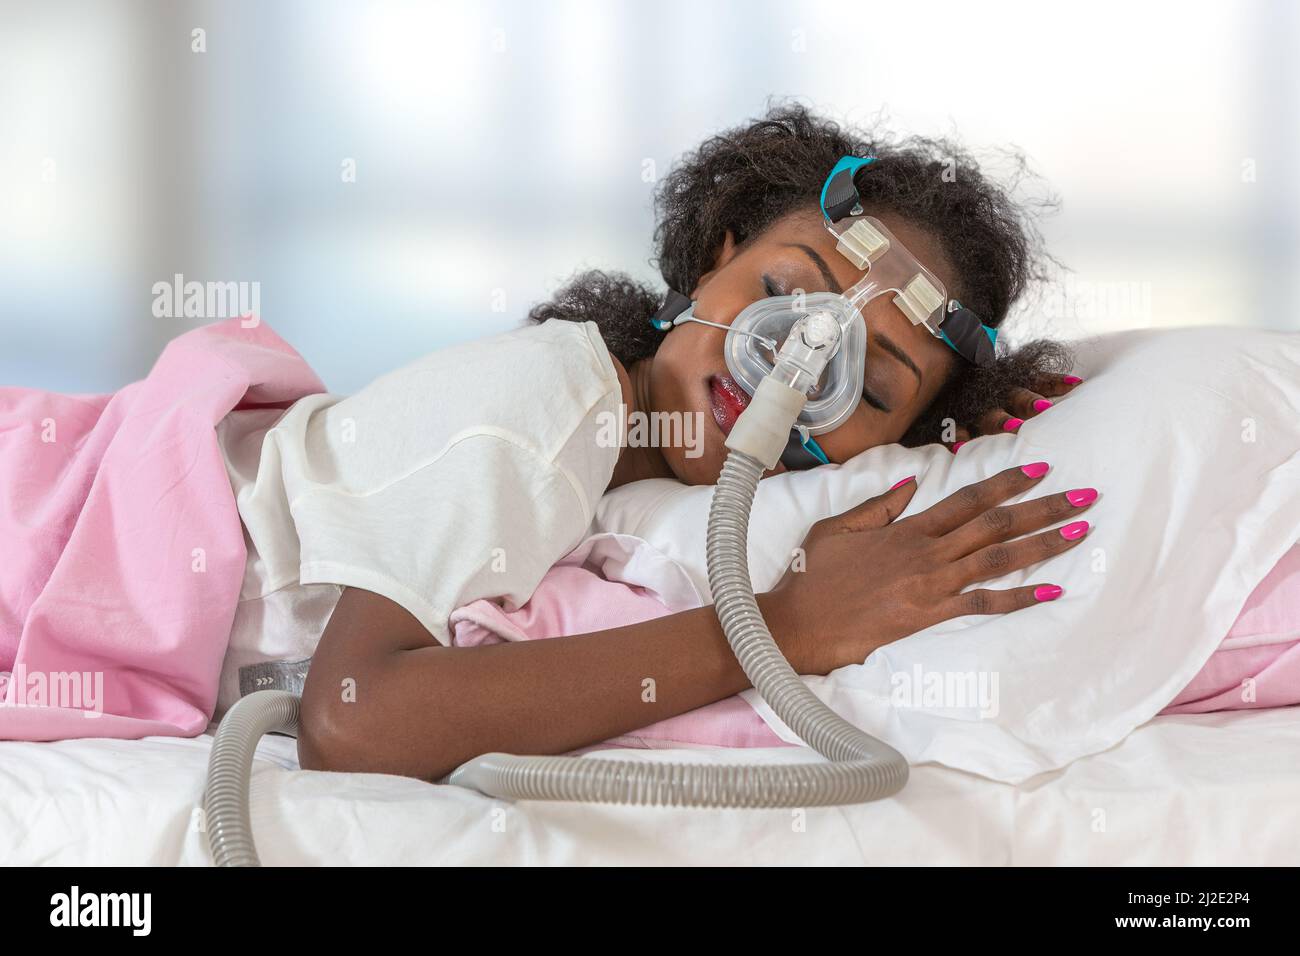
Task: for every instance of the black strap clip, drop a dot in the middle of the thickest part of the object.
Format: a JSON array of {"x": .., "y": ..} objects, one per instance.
[{"x": 674, "y": 305}]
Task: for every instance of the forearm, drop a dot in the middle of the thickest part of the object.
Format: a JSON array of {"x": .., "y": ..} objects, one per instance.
[{"x": 424, "y": 711}]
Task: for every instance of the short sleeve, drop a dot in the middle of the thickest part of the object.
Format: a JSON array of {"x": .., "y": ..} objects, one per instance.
[
  {"x": 465, "y": 475},
  {"x": 488, "y": 519}
]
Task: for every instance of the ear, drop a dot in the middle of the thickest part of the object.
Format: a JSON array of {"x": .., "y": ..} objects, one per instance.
[{"x": 726, "y": 252}]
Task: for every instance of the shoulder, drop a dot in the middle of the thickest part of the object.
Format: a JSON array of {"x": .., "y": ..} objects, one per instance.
[{"x": 581, "y": 340}]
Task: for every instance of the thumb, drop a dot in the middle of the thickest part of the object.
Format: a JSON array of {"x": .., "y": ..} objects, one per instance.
[{"x": 881, "y": 510}]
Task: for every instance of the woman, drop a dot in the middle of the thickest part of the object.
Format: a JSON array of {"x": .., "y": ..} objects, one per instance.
[{"x": 375, "y": 495}]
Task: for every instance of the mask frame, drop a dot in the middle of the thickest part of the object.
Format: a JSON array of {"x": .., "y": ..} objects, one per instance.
[{"x": 864, "y": 241}]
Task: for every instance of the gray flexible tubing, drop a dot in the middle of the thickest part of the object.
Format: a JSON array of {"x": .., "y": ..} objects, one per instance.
[
  {"x": 230, "y": 767},
  {"x": 860, "y": 768}
]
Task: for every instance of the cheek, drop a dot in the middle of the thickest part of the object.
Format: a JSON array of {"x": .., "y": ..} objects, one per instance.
[
  {"x": 673, "y": 376},
  {"x": 866, "y": 428},
  {"x": 869, "y": 427},
  {"x": 703, "y": 470},
  {"x": 678, "y": 385},
  {"x": 672, "y": 359}
]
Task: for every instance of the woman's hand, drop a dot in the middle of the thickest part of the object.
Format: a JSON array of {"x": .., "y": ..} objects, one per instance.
[
  {"x": 869, "y": 580},
  {"x": 1018, "y": 405}
]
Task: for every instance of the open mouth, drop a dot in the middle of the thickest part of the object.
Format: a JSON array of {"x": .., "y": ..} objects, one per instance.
[{"x": 727, "y": 400}]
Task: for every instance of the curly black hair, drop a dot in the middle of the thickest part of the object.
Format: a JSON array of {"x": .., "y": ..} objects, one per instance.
[{"x": 745, "y": 179}]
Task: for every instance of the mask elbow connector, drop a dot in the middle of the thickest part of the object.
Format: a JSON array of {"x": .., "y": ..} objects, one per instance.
[{"x": 763, "y": 428}]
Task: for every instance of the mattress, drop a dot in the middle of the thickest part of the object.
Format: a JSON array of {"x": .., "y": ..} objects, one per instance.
[{"x": 1207, "y": 789}]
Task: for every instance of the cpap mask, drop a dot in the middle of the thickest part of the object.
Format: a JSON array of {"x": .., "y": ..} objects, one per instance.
[{"x": 755, "y": 335}]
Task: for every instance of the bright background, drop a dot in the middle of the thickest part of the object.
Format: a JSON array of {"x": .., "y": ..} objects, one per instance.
[{"x": 499, "y": 146}]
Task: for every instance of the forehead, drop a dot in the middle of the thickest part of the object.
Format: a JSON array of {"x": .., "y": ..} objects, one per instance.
[{"x": 808, "y": 227}]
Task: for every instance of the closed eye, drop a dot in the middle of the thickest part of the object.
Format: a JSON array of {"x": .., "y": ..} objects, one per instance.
[{"x": 874, "y": 400}]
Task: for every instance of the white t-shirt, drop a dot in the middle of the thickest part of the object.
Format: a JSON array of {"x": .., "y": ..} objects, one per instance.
[{"x": 466, "y": 474}]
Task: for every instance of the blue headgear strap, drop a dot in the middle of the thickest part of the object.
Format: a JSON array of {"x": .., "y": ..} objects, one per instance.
[
  {"x": 839, "y": 194},
  {"x": 967, "y": 335},
  {"x": 801, "y": 453},
  {"x": 961, "y": 328}
]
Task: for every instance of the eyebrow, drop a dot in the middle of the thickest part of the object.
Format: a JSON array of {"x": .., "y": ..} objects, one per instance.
[
  {"x": 892, "y": 347},
  {"x": 831, "y": 282}
]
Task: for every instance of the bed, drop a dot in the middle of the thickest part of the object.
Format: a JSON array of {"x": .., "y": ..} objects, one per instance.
[
  {"x": 1210, "y": 789},
  {"x": 1076, "y": 677}
]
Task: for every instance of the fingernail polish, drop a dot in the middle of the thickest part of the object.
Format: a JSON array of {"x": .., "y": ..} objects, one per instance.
[
  {"x": 956, "y": 446},
  {"x": 1047, "y": 592},
  {"x": 1035, "y": 469},
  {"x": 1042, "y": 405},
  {"x": 1074, "y": 530},
  {"x": 1072, "y": 380},
  {"x": 901, "y": 483},
  {"x": 1011, "y": 424},
  {"x": 1081, "y": 496}
]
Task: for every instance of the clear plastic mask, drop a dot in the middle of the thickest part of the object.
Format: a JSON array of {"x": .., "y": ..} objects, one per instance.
[{"x": 762, "y": 327}]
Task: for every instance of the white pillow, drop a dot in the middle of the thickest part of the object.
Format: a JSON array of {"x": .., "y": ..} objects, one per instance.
[{"x": 1193, "y": 439}]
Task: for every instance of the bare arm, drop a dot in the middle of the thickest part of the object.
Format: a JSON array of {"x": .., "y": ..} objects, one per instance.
[{"x": 421, "y": 709}]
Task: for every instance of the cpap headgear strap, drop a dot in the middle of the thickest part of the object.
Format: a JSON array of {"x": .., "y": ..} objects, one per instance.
[{"x": 674, "y": 304}]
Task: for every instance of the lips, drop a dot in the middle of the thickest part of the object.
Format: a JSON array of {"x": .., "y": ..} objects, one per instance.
[{"x": 727, "y": 400}]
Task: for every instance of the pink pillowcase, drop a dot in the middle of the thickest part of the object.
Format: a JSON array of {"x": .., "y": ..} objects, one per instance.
[{"x": 1257, "y": 665}]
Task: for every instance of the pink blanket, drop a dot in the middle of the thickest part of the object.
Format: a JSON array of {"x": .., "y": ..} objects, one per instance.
[
  {"x": 1258, "y": 664},
  {"x": 123, "y": 552}
]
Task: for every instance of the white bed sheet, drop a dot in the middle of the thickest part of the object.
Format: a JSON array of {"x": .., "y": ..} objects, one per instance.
[{"x": 1187, "y": 790}]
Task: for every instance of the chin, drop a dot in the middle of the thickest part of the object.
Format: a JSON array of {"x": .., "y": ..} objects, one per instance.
[{"x": 703, "y": 470}]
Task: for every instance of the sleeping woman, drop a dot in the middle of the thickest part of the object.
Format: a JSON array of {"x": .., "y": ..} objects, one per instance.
[{"x": 472, "y": 471}]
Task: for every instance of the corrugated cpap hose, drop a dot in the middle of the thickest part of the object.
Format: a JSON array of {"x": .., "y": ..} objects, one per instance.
[{"x": 859, "y": 768}]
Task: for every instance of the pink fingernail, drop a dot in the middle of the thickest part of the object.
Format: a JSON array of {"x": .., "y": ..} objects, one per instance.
[
  {"x": 1042, "y": 405},
  {"x": 1011, "y": 424},
  {"x": 1072, "y": 380},
  {"x": 903, "y": 482},
  {"x": 956, "y": 446},
  {"x": 1035, "y": 469},
  {"x": 1047, "y": 592},
  {"x": 1074, "y": 530},
  {"x": 1081, "y": 496}
]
